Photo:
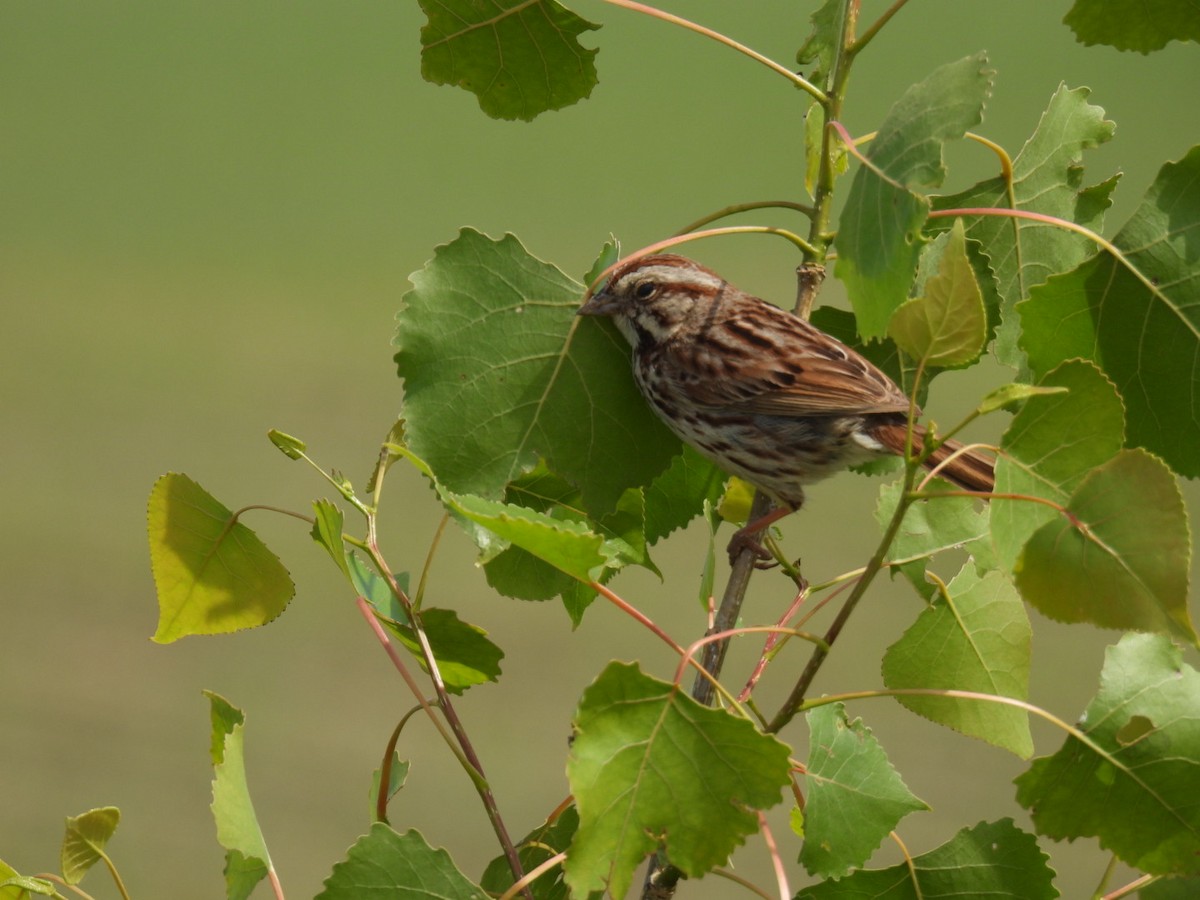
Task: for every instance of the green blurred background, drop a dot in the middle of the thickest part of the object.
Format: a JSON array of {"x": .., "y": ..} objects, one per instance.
[{"x": 208, "y": 213}]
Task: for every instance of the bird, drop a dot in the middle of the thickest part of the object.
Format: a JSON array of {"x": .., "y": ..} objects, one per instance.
[{"x": 759, "y": 391}]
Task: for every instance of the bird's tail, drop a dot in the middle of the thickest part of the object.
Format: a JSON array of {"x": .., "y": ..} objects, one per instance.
[{"x": 971, "y": 470}]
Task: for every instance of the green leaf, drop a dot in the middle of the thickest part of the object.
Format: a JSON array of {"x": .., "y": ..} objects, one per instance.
[
  {"x": 994, "y": 860},
  {"x": 291, "y": 447},
  {"x": 212, "y": 573},
  {"x": 1172, "y": 889},
  {"x": 327, "y": 531},
  {"x": 946, "y": 327},
  {"x": 818, "y": 48},
  {"x": 879, "y": 237},
  {"x": 855, "y": 797},
  {"x": 1120, "y": 557},
  {"x": 535, "y": 848},
  {"x": 500, "y": 374},
  {"x": 930, "y": 527},
  {"x": 238, "y": 830},
  {"x": 14, "y": 886},
  {"x": 464, "y": 655},
  {"x": 242, "y": 874},
  {"x": 977, "y": 638},
  {"x": 1047, "y": 179},
  {"x": 1143, "y": 332},
  {"x": 85, "y": 839},
  {"x": 678, "y": 495},
  {"x": 1141, "y": 25},
  {"x": 1011, "y": 394},
  {"x": 519, "y": 57},
  {"x": 397, "y": 776},
  {"x": 1050, "y": 446},
  {"x": 383, "y": 863},
  {"x": 650, "y": 765},
  {"x": 1136, "y": 788}
]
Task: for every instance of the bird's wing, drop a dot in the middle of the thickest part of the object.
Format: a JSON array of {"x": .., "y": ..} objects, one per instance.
[{"x": 771, "y": 362}]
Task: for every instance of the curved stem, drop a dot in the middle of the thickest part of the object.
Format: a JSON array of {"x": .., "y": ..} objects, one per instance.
[
  {"x": 796, "y": 79},
  {"x": 869, "y": 35},
  {"x": 735, "y": 208}
]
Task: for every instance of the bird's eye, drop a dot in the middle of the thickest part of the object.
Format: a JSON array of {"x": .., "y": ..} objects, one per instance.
[{"x": 645, "y": 290}]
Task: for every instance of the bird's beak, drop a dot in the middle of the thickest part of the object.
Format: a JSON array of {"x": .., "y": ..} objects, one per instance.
[{"x": 601, "y": 303}]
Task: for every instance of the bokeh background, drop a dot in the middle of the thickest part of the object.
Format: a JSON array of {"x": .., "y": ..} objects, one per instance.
[{"x": 208, "y": 212}]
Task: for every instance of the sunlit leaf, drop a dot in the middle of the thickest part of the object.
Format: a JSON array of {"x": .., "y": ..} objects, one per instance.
[
  {"x": 1136, "y": 791},
  {"x": 85, "y": 839},
  {"x": 519, "y": 57},
  {"x": 649, "y": 765},
  {"x": 1141, "y": 327},
  {"x": 212, "y": 573},
  {"x": 1120, "y": 556},
  {"x": 499, "y": 374},
  {"x": 946, "y": 326},
  {"x": 383, "y": 863},
  {"x": 879, "y": 236},
  {"x": 994, "y": 860},
  {"x": 238, "y": 830},
  {"x": 854, "y": 796},
  {"x": 1047, "y": 178},
  {"x": 976, "y": 639},
  {"x": 327, "y": 531}
]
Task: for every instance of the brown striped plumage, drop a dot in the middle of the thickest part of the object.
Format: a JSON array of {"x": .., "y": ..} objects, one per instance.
[{"x": 759, "y": 391}]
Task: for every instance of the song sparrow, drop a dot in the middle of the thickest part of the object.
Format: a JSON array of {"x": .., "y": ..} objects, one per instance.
[{"x": 758, "y": 390}]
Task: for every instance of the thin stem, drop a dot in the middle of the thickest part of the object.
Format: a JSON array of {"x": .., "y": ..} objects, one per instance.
[
  {"x": 796, "y": 79},
  {"x": 668, "y": 243},
  {"x": 735, "y": 208},
  {"x": 1105, "y": 878},
  {"x": 464, "y": 751},
  {"x": 869, "y": 35},
  {"x": 533, "y": 875},
  {"x": 795, "y": 700},
  {"x": 1133, "y": 887},
  {"x": 776, "y": 863},
  {"x": 739, "y": 880}
]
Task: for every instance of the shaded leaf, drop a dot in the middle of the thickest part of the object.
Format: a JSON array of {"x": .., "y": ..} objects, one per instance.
[
  {"x": 499, "y": 374},
  {"x": 212, "y": 573},
  {"x": 946, "y": 326},
  {"x": 1138, "y": 796},
  {"x": 879, "y": 236},
  {"x": 238, "y": 830},
  {"x": 1120, "y": 557},
  {"x": 464, "y": 655},
  {"x": 14, "y": 886},
  {"x": 1047, "y": 178},
  {"x": 383, "y": 863},
  {"x": 930, "y": 527},
  {"x": 327, "y": 531},
  {"x": 1141, "y": 25},
  {"x": 519, "y": 57},
  {"x": 678, "y": 495},
  {"x": 1143, "y": 329},
  {"x": 977, "y": 639},
  {"x": 397, "y": 776},
  {"x": 855, "y": 798},
  {"x": 85, "y": 839},
  {"x": 1048, "y": 449},
  {"x": 818, "y": 48},
  {"x": 650, "y": 765},
  {"x": 534, "y": 849},
  {"x": 994, "y": 860}
]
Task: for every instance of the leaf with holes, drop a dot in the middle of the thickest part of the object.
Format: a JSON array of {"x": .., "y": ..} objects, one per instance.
[
  {"x": 976, "y": 638},
  {"x": 649, "y": 765},
  {"x": 1134, "y": 783},
  {"x": 855, "y": 797}
]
